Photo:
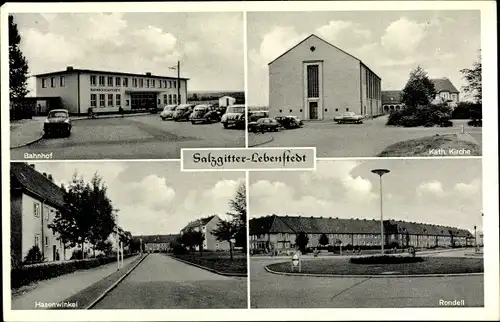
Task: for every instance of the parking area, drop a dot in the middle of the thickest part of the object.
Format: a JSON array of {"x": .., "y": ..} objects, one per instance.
[
  {"x": 353, "y": 140},
  {"x": 135, "y": 137}
]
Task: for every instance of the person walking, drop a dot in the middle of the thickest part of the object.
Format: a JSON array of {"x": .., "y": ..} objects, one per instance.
[{"x": 120, "y": 110}]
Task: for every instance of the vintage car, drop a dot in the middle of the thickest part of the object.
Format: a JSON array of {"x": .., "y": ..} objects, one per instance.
[
  {"x": 289, "y": 122},
  {"x": 57, "y": 122},
  {"x": 348, "y": 117},
  {"x": 204, "y": 113},
  {"x": 253, "y": 116},
  {"x": 182, "y": 112},
  {"x": 234, "y": 116},
  {"x": 168, "y": 112},
  {"x": 265, "y": 124}
]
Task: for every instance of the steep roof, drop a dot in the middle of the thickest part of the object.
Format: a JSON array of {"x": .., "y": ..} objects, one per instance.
[
  {"x": 152, "y": 239},
  {"x": 444, "y": 85},
  {"x": 391, "y": 97},
  {"x": 26, "y": 177},
  {"x": 198, "y": 222},
  {"x": 328, "y": 43}
]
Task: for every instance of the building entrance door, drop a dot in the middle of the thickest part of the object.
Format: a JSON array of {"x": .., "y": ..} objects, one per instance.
[
  {"x": 313, "y": 110},
  {"x": 143, "y": 101},
  {"x": 54, "y": 252}
]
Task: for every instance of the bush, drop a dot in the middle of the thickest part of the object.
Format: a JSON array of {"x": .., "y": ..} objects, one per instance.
[
  {"x": 34, "y": 256},
  {"x": 428, "y": 116},
  {"x": 385, "y": 260},
  {"x": 179, "y": 250},
  {"x": 77, "y": 254},
  {"x": 27, "y": 274}
]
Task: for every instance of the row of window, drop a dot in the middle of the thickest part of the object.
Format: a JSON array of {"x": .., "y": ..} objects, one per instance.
[
  {"x": 285, "y": 236},
  {"x": 373, "y": 85},
  {"x": 111, "y": 81},
  {"x": 53, "y": 82},
  {"x": 326, "y": 110},
  {"x": 112, "y": 100}
]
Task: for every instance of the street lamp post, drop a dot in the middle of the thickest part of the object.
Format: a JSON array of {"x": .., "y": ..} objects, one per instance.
[{"x": 380, "y": 173}]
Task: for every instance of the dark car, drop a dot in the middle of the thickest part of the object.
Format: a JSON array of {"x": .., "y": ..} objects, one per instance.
[
  {"x": 57, "y": 123},
  {"x": 182, "y": 112},
  {"x": 348, "y": 117},
  {"x": 234, "y": 116},
  {"x": 253, "y": 116},
  {"x": 204, "y": 113},
  {"x": 289, "y": 122},
  {"x": 265, "y": 124}
]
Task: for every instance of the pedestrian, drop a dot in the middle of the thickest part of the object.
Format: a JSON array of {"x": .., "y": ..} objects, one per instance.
[
  {"x": 90, "y": 113},
  {"x": 120, "y": 110}
]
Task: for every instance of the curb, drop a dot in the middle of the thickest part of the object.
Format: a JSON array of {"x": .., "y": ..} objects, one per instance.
[
  {"x": 209, "y": 269},
  {"x": 270, "y": 139},
  {"x": 26, "y": 144},
  {"x": 115, "y": 284},
  {"x": 371, "y": 276},
  {"x": 109, "y": 116}
]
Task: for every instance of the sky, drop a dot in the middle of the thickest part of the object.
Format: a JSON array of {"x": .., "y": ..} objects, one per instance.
[
  {"x": 155, "y": 198},
  {"x": 439, "y": 191},
  {"x": 208, "y": 45},
  {"x": 391, "y": 43}
]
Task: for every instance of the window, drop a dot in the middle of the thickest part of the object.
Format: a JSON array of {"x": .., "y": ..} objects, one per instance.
[
  {"x": 118, "y": 81},
  {"x": 180, "y": 99},
  {"x": 281, "y": 111},
  {"x": 347, "y": 109},
  {"x": 125, "y": 81},
  {"x": 175, "y": 84},
  {"x": 170, "y": 99},
  {"x": 134, "y": 82},
  {"x": 44, "y": 82},
  {"x": 118, "y": 99},
  {"x": 175, "y": 98},
  {"x": 312, "y": 81},
  {"x": 160, "y": 83},
  {"x": 110, "y": 81},
  {"x": 127, "y": 102},
  {"x": 62, "y": 81},
  {"x": 46, "y": 214},
  {"x": 37, "y": 240},
  {"x": 52, "y": 82},
  {"x": 165, "y": 99},
  {"x": 336, "y": 110},
  {"x": 102, "y": 100},
  {"x": 36, "y": 209},
  {"x": 147, "y": 82},
  {"x": 110, "y": 99},
  {"x": 290, "y": 111},
  {"x": 141, "y": 82},
  {"x": 46, "y": 241},
  {"x": 92, "y": 80},
  {"x": 169, "y": 84},
  {"x": 300, "y": 110},
  {"x": 152, "y": 83},
  {"x": 101, "y": 80},
  {"x": 93, "y": 99}
]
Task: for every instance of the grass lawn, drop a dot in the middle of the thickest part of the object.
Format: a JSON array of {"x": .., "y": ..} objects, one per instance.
[
  {"x": 219, "y": 261},
  {"x": 422, "y": 146},
  {"x": 431, "y": 265}
]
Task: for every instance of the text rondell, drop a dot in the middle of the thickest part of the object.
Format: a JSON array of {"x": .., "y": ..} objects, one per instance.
[{"x": 249, "y": 159}]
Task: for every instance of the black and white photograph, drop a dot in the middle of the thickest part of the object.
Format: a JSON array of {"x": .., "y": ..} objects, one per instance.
[
  {"x": 315, "y": 237},
  {"x": 126, "y": 235},
  {"x": 125, "y": 85},
  {"x": 366, "y": 83}
]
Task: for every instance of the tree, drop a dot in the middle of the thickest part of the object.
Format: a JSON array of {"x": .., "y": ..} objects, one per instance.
[
  {"x": 419, "y": 90},
  {"x": 473, "y": 79},
  {"x": 198, "y": 239},
  {"x": 187, "y": 239},
  {"x": 301, "y": 241},
  {"x": 18, "y": 65},
  {"x": 323, "y": 240},
  {"x": 87, "y": 215},
  {"x": 226, "y": 231},
  {"x": 104, "y": 246},
  {"x": 238, "y": 205}
]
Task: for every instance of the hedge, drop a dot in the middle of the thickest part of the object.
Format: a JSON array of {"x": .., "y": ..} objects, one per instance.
[
  {"x": 385, "y": 260},
  {"x": 426, "y": 116},
  {"x": 27, "y": 274}
]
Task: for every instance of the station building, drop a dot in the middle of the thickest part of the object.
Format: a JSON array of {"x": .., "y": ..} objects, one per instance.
[
  {"x": 279, "y": 233},
  {"x": 316, "y": 80},
  {"x": 104, "y": 91}
]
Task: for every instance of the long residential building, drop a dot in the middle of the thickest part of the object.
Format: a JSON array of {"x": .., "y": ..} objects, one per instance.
[
  {"x": 105, "y": 91},
  {"x": 279, "y": 233},
  {"x": 207, "y": 225},
  {"x": 157, "y": 243}
]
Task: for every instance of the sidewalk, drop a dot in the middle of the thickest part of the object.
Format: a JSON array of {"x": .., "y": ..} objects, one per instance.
[
  {"x": 60, "y": 288},
  {"x": 27, "y": 131}
]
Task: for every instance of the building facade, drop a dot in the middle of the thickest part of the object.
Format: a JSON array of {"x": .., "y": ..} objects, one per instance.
[
  {"x": 35, "y": 200},
  {"x": 157, "y": 243},
  {"x": 316, "y": 80},
  {"x": 279, "y": 233},
  {"x": 207, "y": 225},
  {"x": 81, "y": 89}
]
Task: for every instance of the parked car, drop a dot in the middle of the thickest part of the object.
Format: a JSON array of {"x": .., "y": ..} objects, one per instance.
[
  {"x": 253, "y": 116},
  {"x": 182, "y": 112},
  {"x": 265, "y": 124},
  {"x": 289, "y": 122},
  {"x": 234, "y": 116},
  {"x": 204, "y": 113},
  {"x": 57, "y": 122},
  {"x": 168, "y": 112},
  {"x": 348, "y": 117}
]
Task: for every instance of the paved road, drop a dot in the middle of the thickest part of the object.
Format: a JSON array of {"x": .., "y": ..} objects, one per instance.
[
  {"x": 354, "y": 140},
  {"x": 161, "y": 282},
  {"x": 277, "y": 291},
  {"x": 137, "y": 137}
]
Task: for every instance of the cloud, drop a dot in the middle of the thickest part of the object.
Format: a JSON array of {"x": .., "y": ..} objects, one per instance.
[
  {"x": 434, "y": 188},
  {"x": 404, "y": 36},
  {"x": 468, "y": 189},
  {"x": 279, "y": 40},
  {"x": 152, "y": 191}
]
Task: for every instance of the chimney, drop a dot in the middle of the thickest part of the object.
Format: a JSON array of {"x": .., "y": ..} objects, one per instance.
[
  {"x": 32, "y": 165},
  {"x": 69, "y": 68},
  {"x": 50, "y": 178},
  {"x": 148, "y": 74},
  {"x": 45, "y": 174}
]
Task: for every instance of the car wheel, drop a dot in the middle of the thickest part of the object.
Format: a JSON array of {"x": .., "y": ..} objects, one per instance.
[
  {"x": 192, "y": 122},
  {"x": 163, "y": 118},
  {"x": 225, "y": 125}
]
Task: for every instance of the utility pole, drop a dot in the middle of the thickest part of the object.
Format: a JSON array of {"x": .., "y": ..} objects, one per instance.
[
  {"x": 380, "y": 173},
  {"x": 179, "y": 82}
]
